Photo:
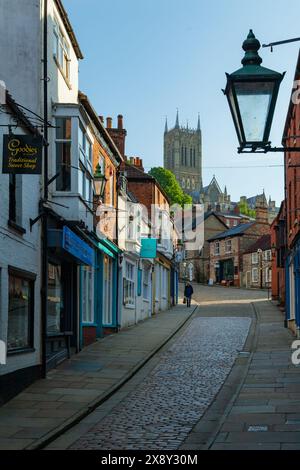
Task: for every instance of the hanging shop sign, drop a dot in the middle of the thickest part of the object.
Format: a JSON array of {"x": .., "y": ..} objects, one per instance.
[
  {"x": 148, "y": 248},
  {"x": 22, "y": 154}
]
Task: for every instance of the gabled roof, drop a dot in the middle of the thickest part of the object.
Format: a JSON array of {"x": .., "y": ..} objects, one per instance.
[
  {"x": 263, "y": 243},
  {"x": 133, "y": 173},
  {"x": 213, "y": 182},
  {"x": 232, "y": 232},
  {"x": 216, "y": 215}
]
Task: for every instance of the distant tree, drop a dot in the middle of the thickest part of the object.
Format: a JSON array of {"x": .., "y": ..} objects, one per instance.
[
  {"x": 170, "y": 185},
  {"x": 246, "y": 210}
]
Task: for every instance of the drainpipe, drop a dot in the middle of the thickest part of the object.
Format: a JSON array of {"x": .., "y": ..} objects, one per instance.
[
  {"x": 44, "y": 289},
  {"x": 117, "y": 243}
]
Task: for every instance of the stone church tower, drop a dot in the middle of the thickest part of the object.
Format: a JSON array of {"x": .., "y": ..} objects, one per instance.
[{"x": 183, "y": 156}]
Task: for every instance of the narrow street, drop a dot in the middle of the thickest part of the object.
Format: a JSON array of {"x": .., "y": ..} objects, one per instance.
[{"x": 178, "y": 401}]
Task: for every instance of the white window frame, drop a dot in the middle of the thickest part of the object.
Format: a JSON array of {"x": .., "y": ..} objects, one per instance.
[
  {"x": 217, "y": 249},
  {"x": 254, "y": 275},
  {"x": 129, "y": 285},
  {"x": 268, "y": 275},
  {"x": 61, "y": 50},
  {"x": 254, "y": 258},
  {"x": 228, "y": 250},
  {"x": 268, "y": 255},
  {"x": 146, "y": 284},
  {"x": 87, "y": 298}
]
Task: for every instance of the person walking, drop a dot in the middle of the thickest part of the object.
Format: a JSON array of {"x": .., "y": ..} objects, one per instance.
[{"x": 188, "y": 292}]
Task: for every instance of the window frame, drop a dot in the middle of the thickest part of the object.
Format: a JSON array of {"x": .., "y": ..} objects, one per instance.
[
  {"x": 30, "y": 278},
  {"x": 129, "y": 285},
  {"x": 68, "y": 142},
  {"x": 227, "y": 242},
  {"x": 61, "y": 50},
  {"x": 254, "y": 280},
  {"x": 87, "y": 283},
  {"x": 217, "y": 249}
]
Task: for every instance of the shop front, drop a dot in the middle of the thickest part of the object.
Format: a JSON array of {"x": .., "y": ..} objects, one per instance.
[{"x": 67, "y": 252}]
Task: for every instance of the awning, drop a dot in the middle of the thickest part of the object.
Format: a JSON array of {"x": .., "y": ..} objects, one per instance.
[
  {"x": 109, "y": 248},
  {"x": 71, "y": 246}
]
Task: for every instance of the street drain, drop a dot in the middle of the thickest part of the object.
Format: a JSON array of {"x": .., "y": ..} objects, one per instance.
[{"x": 258, "y": 428}]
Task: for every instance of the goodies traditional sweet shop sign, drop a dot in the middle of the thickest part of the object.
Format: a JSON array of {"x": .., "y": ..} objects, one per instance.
[{"x": 22, "y": 154}]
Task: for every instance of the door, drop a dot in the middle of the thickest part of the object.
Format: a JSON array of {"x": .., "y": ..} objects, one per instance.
[{"x": 107, "y": 291}]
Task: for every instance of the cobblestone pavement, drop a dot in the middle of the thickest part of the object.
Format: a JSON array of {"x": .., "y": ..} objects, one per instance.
[{"x": 161, "y": 411}]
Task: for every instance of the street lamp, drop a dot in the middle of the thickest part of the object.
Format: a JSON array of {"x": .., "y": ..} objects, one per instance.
[
  {"x": 252, "y": 93},
  {"x": 99, "y": 182}
]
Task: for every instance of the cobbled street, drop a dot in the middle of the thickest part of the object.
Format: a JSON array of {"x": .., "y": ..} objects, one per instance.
[{"x": 160, "y": 405}]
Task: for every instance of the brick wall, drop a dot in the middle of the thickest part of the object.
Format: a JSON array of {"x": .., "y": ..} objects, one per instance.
[{"x": 88, "y": 335}]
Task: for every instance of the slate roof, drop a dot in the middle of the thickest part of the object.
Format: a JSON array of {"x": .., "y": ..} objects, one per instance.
[
  {"x": 263, "y": 243},
  {"x": 232, "y": 232}
]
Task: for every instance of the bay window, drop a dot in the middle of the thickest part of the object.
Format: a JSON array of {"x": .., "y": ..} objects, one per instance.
[{"x": 63, "y": 154}]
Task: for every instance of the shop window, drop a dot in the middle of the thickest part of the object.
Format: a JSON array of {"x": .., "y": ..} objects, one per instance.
[
  {"x": 146, "y": 284},
  {"x": 87, "y": 295},
  {"x": 63, "y": 154},
  {"x": 55, "y": 300},
  {"x": 20, "y": 310},
  {"x": 129, "y": 285}
]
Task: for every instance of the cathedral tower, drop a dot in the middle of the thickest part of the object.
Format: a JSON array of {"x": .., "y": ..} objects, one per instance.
[{"x": 183, "y": 156}]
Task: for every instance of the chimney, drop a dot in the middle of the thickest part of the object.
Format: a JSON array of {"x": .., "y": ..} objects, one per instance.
[
  {"x": 118, "y": 134},
  {"x": 120, "y": 122},
  {"x": 101, "y": 119},
  {"x": 262, "y": 212},
  {"x": 109, "y": 123}
]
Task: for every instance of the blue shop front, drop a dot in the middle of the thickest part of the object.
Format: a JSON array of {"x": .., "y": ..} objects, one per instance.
[
  {"x": 71, "y": 266},
  {"x": 293, "y": 288}
]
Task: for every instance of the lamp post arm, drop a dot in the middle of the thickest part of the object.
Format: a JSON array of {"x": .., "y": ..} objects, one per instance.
[{"x": 279, "y": 43}]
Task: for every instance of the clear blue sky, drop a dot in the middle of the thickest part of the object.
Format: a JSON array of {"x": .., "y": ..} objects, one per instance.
[{"x": 145, "y": 58}]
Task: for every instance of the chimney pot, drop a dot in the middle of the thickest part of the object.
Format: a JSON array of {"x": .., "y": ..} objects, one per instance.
[
  {"x": 101, "y": 119},
  {"x": 109, "y": 123},
  {"x": 120, "y": 122}
]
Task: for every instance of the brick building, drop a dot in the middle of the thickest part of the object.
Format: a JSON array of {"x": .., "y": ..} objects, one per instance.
[
  {"x": 257, "y": 264},
  {"x": 278, "y": 244},
  {"x": 227, "y": 248},
  {"x": 292, "y": 196}
]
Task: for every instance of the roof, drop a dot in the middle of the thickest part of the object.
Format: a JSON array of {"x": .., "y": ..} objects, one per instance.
[
  {"x": 263, "y": 243},
  {"x": 232, "y": 232},
  {"x": 215, "y": 214},
  {"x": 18, "y": 112},
  {"x": 83, "y": 99},
  {"x": 135, "y": 174},
  {"x": 69, "y": 29}
]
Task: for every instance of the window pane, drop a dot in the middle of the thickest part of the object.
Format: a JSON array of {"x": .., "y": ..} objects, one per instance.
[
  {"x": 19, "y": 311},
  {"x": 63, "y": 162},
  {"x": 63, "y": 128},
  {"x": 55, "y": 299}
]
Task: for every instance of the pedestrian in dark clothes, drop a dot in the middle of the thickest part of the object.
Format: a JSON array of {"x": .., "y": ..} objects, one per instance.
[{"x": 188, "y": 292}]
